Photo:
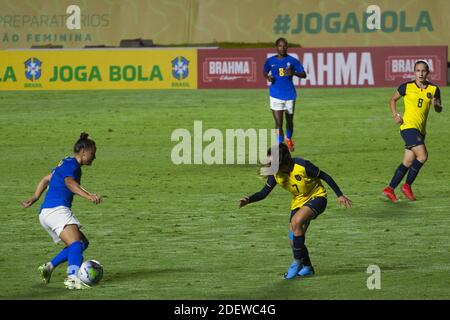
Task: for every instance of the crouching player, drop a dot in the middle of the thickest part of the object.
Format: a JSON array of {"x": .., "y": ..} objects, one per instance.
[{"x": 309, "y": 199}]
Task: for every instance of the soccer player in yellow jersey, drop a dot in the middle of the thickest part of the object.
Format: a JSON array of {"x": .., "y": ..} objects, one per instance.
[
  {"x": 309, "y": 199},
  {"x": 418, "y": 97}
]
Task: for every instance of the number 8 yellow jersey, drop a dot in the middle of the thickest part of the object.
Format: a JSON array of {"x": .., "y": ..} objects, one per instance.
[{"x": 417, "y": 103}]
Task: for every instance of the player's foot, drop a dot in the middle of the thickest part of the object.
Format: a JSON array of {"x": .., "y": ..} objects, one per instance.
[
  {"x": 45, "y": 272},
  {"x": 406, "y": 189},
  {"x": 389, "y": 193},
  {"x": 290, "y": 145},
  {"x": 293, "y": 270},
  {"x": 306, "y": 271},
  {"x": 72, "y": 283}
]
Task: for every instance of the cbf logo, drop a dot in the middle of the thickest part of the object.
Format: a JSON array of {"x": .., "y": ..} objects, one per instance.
[
  {"x": 180, "y": 69},
  {"x": 33, "y": 69}
]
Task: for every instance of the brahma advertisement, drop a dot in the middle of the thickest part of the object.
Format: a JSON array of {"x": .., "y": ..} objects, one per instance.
[{"x": 325, "y": 67}]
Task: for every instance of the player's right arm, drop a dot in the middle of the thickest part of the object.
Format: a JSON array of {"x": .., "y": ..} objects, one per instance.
[
  {"x": 268, "y": 187},
  {"x": 401, "y": 91},
  {"x": 266, "y": 72},
  {"x": 76, "y": 188},
  {"x": 40, "y": 188}
]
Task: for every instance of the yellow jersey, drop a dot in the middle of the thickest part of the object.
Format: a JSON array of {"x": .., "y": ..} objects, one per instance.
[
  {"x": 417, "y": 103},
  {"x": 303, "y": 185}
]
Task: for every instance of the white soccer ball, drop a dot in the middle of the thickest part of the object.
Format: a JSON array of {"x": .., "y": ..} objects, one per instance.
[{"x": 91, "y": 272}]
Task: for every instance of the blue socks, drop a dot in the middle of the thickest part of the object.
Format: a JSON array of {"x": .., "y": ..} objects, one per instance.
[
  {"x": 281, "y": 138},
  {"x": 289, "y": 133},
  {"x": 60, "y": 257},
  {"x": 398, "y": 176},
  {"x": 75, "y": 258},
  {"x": 63, "y": 255},
  {"x": 413, "y": 171}
]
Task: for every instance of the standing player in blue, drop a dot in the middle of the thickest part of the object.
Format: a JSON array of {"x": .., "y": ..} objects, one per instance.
[
  {"x": 419, "y": 96},
  {"x": 56, "y": 216},
  {"x": 280, "y": 70},
  {"x": 309, "y": 199}
]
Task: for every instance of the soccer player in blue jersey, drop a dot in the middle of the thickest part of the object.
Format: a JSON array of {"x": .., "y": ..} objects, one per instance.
[
  {"x": 309, "y": 199},
  {"x": 56, "y": 216},
  {"x": 419, "y": 96},
  {"x": 280, "y": 70}
]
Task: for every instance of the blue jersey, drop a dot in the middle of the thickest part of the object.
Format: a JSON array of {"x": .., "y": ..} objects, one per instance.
[
  {"x": 58, "y": 194},
  {"x": 282, "y": 87}
]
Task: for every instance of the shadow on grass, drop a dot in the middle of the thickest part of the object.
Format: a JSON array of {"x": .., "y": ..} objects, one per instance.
[
  {"x": 134, "y": 275},
  {"x": 295, "y": 289},
  {"x": 56, "y": 291},
  {"x": 39, "y": 291},
  {"x": 387, "y": 209}
]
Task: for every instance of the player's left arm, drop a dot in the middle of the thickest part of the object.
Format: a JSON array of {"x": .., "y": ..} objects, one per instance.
[
  {"x": 436, "y": 101},
  {"x": 76, "y": 188},
  {"x": 299, "y": 71},
  {"x": 313, "y": 171}
]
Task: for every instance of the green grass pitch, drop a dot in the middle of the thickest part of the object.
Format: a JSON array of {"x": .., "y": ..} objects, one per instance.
[{"x": 175, "y": 232}]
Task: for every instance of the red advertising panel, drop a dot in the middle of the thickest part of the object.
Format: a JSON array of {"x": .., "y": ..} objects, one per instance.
[{"x": 325, "y": 67}]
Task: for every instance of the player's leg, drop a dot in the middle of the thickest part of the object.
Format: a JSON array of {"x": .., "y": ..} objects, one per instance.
[
  {"x": 298, "y": 226},
  {"x": 409, "y": 136},
  {"x": 420, "y": 157},
  {"x": 399, "y": 173},
  {"x": 63, "y": 255},
  {"x": 277, "y": 107},
  {"x": 73, "y": 238},
  {"x": 54, "y": 221},
  {"x": 290, "y": 107},
  {"x": 318, "y": 206},
  {"x": 278, "y": 117}
]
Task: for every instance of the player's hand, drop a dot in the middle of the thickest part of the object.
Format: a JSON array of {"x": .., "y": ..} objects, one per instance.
[
  {"x": 243, "y": 202},
  {"x": 95, "y": 198},
  {"x": 436, "y": 104},
  {"x": 398, "y": 119},
  {"x": 344, "y": 201},
  {"x": 288, "y": 71},
  {"x": 29, "y": 202},
  {"x": 271, "y": 78}
]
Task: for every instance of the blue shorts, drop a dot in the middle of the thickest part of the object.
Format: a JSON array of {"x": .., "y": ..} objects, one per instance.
[
  {"x": 412, "y": 138},
  {"x": 318, "y": 205}
]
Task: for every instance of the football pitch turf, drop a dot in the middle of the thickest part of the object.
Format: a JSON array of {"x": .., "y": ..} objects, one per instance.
[{"x": 168, "y": 231}]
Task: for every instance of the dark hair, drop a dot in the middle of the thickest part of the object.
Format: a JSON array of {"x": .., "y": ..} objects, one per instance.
[
  {"x": 279, "y": 40},
  {"x": 83, "y": 143},
  {"x": 421, "y": 61},
  {"x": 285, "y": 158}
]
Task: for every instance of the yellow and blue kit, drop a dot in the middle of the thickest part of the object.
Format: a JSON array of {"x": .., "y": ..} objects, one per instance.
[
  {"x": 417, "y": 103},
  {"x": 303, "y": 182}
]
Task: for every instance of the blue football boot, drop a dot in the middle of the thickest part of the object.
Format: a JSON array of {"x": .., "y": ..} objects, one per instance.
[
  {"x": 293, "y": 270},
  {"x": 306, "y": 271}
]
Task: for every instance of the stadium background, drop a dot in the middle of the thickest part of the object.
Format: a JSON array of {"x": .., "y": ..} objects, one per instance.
[{"x": 343, "y": 124}]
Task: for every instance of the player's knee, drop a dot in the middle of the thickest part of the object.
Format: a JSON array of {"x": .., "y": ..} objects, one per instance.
[
  {"x": 422, "y": 158},
  {"x": 408, "y": 163},
  {"x": 297, "y": 224}
]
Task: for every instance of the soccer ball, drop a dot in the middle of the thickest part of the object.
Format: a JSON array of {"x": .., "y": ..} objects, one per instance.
[{"x": 91, "y": 272}]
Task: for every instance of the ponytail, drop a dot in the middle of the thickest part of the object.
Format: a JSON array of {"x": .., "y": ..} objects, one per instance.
[{"x": 83, "y": 143}]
